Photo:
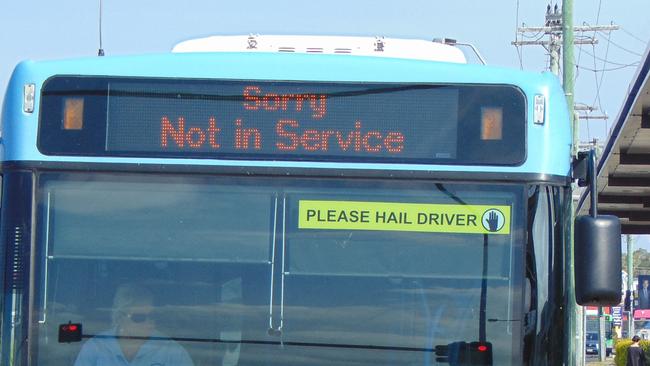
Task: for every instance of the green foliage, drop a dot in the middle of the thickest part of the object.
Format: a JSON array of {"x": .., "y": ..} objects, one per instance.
[
  {"x": 621, "y": 351},
  {"x": 641, "y": 260},
  {"x": 621, "y": 347}
]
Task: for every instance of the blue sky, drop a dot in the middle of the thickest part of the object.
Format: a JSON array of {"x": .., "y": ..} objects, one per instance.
[{"x": 40, "y": 29}]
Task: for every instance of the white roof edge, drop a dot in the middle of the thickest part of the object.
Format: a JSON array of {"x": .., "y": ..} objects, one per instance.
[{"x": 365, "y": 46}]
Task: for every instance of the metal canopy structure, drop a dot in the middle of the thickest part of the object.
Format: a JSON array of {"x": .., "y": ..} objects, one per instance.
[{"x": 624, "y": 168}]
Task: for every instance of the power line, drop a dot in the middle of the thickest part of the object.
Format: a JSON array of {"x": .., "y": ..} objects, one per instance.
[
  {"x": 610, "y": 69},
  {"x": 553, "y": 29},
  {"x": 553, "y": 40},
  {"x": 577, "y": 74},
  {"x": 633, "y": 36},
  {"x": 623, "y": 48},
  {"x": 537, "y": 35},
  {"x": 602, "y": 73},
  {"x": 604, "y": 60},
  {"x": 597, "y": 82}
]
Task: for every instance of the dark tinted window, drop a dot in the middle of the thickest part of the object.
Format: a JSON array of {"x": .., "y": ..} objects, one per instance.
[{"x": 236, "y": 276}]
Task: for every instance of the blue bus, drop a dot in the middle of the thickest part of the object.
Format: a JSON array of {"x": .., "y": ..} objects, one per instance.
[{"x": 260, "y": 207}]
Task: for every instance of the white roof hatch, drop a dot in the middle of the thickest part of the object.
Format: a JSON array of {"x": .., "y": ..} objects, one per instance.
[{"x": 365, "y": 46}]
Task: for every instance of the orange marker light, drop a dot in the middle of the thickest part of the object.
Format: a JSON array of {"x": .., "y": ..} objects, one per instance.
[
  {"x": 491, "y": 123},
  {"x": 73, "y": 114}
]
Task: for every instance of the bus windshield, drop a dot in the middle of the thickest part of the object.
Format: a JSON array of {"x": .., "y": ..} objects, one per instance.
[{"x": 276, "y": 271}]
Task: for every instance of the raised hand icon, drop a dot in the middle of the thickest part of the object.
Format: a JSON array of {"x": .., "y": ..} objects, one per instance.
[{"x": 493, "y": 221}]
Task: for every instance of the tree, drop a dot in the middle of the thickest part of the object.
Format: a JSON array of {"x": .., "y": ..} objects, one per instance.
[{"x": 641, "y": 260}]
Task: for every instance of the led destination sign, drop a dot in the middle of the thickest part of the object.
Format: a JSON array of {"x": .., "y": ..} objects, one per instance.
[
  {"x": 282, "y": 120},
  {"x": 269, "y": 119}
]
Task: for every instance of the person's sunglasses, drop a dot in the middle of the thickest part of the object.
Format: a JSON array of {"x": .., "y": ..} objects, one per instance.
[{"x": 139, "y": 317}]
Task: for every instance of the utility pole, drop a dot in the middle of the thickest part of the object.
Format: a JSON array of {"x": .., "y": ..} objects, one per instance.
[
  {"x": 574, "y": 312},
  {"x": 630, "y": 284},
  {"x": 567, "y": 82},
  {"x": 559, "y": 30},
  {"x": 568, "y": 64},
  {"x": 588, "y": 109}
]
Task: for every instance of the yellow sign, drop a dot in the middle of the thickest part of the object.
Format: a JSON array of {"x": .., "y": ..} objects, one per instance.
[{"x": 396, "y": 216}]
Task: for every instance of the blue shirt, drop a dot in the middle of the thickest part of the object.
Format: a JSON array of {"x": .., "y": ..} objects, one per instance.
[{"x": 104, "y": 350}]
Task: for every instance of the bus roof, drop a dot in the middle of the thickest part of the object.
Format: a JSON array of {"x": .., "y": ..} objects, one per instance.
[{"x": 416, "y": 49}]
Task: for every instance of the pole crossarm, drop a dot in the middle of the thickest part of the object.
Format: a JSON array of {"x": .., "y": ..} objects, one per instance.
[
  {"x": 558, "y": 28},
  {"x": 546, "y": 43},
  {"x": 603, "y": 117}
]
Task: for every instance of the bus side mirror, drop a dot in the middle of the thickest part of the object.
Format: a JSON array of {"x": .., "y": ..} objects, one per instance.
[{"x": 597, "y": 249}]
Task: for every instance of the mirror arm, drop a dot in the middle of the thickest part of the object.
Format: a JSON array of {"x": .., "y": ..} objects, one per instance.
[{"x": 593, "y": 183}]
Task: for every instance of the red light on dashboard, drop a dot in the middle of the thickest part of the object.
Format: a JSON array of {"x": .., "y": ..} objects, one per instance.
[
  {"x": 70, "y": 332},
  {"x": 73, "y": 114},
  {"x": 71, "y": 328}
]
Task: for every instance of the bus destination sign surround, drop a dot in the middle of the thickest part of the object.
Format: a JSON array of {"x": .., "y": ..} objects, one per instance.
[{"x": 274, "y": 120}]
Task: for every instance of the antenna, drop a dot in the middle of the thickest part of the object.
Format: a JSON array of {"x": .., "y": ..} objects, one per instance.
[{"x": 101, "y": 50}]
